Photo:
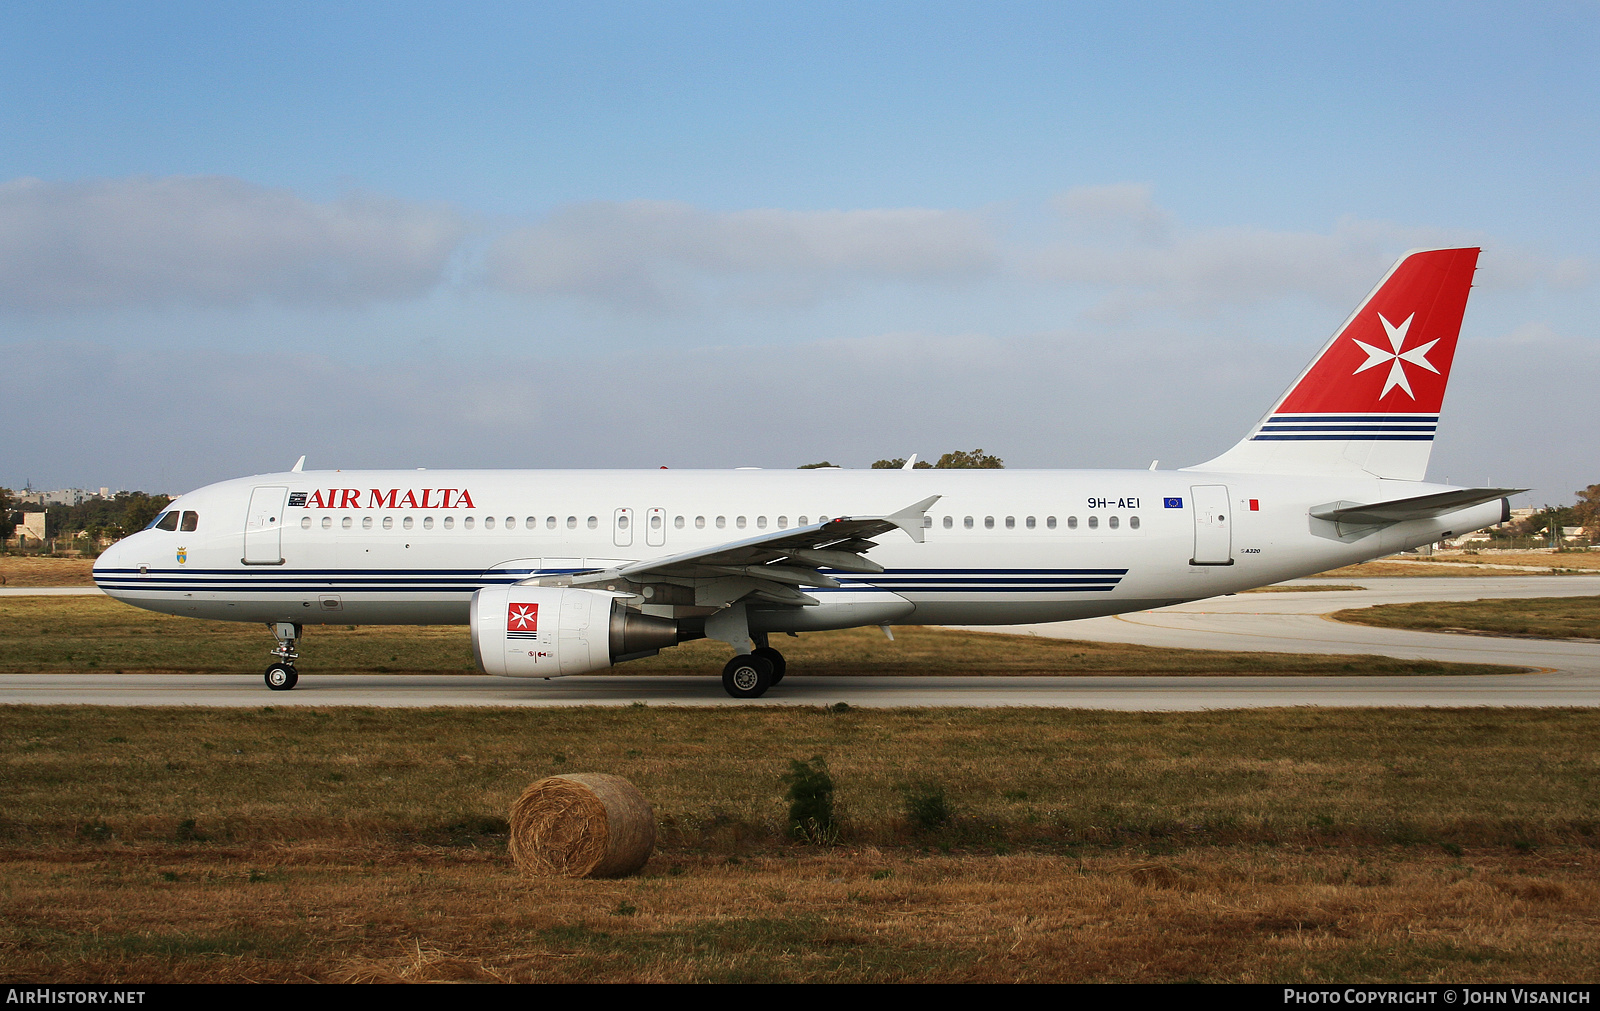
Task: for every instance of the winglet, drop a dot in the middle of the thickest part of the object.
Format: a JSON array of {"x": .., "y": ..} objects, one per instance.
[
  {"x": 909, "y": 519},
  {"x": 911, "y": 462},
  {"x": 298, "y": 464}
]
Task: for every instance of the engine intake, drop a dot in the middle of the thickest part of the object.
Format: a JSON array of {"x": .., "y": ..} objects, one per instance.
[{"x": 551, "y": 631}]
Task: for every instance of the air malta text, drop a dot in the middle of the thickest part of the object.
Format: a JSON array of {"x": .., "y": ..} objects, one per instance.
[{"x": 393, "y": 498}]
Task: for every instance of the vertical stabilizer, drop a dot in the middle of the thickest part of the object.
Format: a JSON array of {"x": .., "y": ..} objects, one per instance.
[{"x": 1370, "y": 400}]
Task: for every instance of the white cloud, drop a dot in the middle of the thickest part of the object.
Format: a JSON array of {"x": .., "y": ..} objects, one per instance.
[
  {"x": 1114, "y": 208},
  {"x": 658, "y": 254},
  {"x": 1200, "y": 270},
  {"x": 212, "y": 240}
]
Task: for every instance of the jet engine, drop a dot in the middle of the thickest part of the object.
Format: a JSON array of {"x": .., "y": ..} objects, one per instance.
[{"x": 550, "y": 631}]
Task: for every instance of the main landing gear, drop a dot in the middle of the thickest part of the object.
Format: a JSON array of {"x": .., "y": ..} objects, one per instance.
[
  {"x": 282, "y": 676},
  {"x": 750, "y": 675}
]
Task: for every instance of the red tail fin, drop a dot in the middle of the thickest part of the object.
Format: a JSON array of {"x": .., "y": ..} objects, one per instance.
[{"x": 1370, "y": 399}]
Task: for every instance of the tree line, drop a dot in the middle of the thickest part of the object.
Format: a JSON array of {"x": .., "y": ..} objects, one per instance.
[
  {"x": 960, "y": 459},
  {"x": 95, "y": 518}
]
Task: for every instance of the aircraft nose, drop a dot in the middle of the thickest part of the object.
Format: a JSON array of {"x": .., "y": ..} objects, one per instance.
[{"x": 110, "y": 559}]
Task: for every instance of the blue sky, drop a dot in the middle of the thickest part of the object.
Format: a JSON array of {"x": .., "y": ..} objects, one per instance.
[{"x": 729, "y": 234}]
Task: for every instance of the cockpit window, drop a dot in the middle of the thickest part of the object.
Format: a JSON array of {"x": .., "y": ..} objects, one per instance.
[
  {"x": 166, "y": 521},
  {"x": 191, "y": 521}
]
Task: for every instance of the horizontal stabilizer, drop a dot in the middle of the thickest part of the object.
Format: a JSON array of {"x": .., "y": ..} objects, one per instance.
[{"x": 1420, "y": 507}]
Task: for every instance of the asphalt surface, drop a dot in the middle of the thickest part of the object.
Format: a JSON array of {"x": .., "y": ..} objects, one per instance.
[{"x": 1564, "y": 673}]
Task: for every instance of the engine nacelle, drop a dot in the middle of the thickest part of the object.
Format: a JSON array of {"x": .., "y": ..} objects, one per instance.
[{"x": 549, "y": 631}]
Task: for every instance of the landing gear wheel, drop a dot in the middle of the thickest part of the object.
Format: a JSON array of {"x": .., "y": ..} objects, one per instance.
[
  {"x": 281, "y": 677},
  {"x": 772, "y": 656},
  {"x": 747, "y": 677}
]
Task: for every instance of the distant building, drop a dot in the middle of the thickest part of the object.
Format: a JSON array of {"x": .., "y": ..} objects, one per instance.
[
  {"x": 61, "y": 496},
  {"x": 30, "y": 532}
]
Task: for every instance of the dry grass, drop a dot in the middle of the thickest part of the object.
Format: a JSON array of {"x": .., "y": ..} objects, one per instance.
[
  {"x": 1545, "y": 617},
  {"x": 77, "y": 634},
  {"x": 31, "y": 570},
  {"x": 198, "y": 845},
  {"x": 1306, "y": 588},
  {"x": 1421, "y": 567},
  {"x": 296, "y": 914},
  {"x": 1587, "y": 560}
]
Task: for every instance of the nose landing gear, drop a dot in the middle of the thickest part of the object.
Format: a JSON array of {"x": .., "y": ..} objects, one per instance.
[{"x": 282, "y": 676}]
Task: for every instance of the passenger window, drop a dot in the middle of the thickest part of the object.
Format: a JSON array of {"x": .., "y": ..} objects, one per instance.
[
  {"x": 967, "y": 522},
  {"x": 550, "y": 523},
  {"x": 467, "y": 521},
  {"x": 1011, "y": 523},
  {"x": 1072, "y": 522},
  {"x": 761, "y": 523},
  {"x": 388, "y": 523},
  {"x": 427, "y": 522},
  {"x": 1050, "y": 521},
  {"x": 305, "y": 523},
  {"x": 739, "y": 522},
  {"x": 1094, "y": 522},
  {"x": 166, "y": 521},
  {"x": 594, "y": 523},
  {"x": 655, "y": 521},
  {"x": 449, "y": 522},
  {"x": 988, "y": 523},
  {"x": 699, "y": 522},
  {"x": 802, "y": 521},
  {"x": 366, "y": 522},
  {"x": 622, "y": 522},
  {"x": 1133, "y": 522},
  {"x": 677, "y": 521},
  {"x": 949, "y": 521},
  {"x": 406, "y": 523},
  {"x": 511, "y": 523},
  {"x": 488, "y": 523},
  {"x": 1030, "y": 523},
  {"x": 572, "y": 522},
  {"x": 191, "y": 521},
  {"x": 783, "y": 522},
  {"x": 347, "y": 523},
  {"x": 327, "y": 522},
  {"x": 532, "y": 522},
  {"x": 1113, "y": 523},
  {"x": 722, "y": 521},
  {"x": 927, "y": 522}
]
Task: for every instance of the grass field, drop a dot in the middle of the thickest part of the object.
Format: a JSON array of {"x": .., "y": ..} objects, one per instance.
[
  {"x": 31, "y": 570},
  {"x": 1584, "y": 560},
  {"x": 1399, "y": 566},
  {"x": 353, "y": 844},
  {"x": 97, "y": 634},
  {"x": 1551, "y": 617}
]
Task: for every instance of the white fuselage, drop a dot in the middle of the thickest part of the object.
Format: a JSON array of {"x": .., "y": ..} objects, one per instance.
[{"x": 1001, "y": 546}]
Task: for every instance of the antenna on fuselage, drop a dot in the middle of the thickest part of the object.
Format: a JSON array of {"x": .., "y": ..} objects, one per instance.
[{"x": 298, "y": 464}]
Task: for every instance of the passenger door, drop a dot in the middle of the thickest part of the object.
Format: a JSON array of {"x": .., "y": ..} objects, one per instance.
[{"x": 263, "y": 527}]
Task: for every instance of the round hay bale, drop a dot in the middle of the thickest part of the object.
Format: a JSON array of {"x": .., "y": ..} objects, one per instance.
[{"x": 582, "y": 825}]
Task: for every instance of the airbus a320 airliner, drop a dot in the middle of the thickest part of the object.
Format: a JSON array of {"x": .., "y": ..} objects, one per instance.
[{"x": 565, "y": 572}]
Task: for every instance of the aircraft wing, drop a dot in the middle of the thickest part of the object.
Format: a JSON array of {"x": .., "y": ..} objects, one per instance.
[
  {"x": 771, "y": 566},
  {"x": 1417, "y": 508}
]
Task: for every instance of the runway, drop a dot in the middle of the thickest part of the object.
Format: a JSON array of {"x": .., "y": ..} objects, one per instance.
[{"x": 1567, "y": 673}]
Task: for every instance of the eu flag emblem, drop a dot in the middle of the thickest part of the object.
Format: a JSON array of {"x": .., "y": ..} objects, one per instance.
[{"x": 1172, "y": 503}]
